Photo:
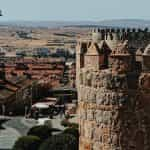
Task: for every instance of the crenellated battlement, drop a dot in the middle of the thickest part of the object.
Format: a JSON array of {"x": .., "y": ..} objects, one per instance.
[
  {"x": 133, "y": 34},
  {"x": 120, "y": 30}
]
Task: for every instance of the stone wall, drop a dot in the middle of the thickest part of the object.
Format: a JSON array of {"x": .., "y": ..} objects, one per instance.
[{"x": 111, "y": 115}]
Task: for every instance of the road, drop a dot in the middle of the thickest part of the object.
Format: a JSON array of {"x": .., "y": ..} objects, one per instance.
[
  {"x": 14, "y": 128},
  {"x": 19, "y": 126}
]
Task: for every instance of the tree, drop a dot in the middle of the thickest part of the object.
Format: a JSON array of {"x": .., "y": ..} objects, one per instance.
[
  {"x": 27, "y": 143},
  {"x": 60, "y": 142},
  {"x": 41, "y": 131},
  {"x": 72, "y": 131}
]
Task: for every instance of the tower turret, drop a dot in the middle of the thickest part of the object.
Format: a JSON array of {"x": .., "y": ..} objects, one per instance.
[
  {"x": 112, "y": 38},
  {"x": 81, "y": 48},
  {"x": 146, "y": 59},
  {"x": 92, "y": 56},
  {"x": 96, "y": 56},
  {"x": 121, "y": 58},
  {"x": 98, "y": 35}
]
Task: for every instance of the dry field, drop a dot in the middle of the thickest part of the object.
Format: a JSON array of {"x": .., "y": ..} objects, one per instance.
[{"x": 40, "y": 37}]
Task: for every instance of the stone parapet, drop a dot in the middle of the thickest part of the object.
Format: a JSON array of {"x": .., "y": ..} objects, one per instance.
[{"x": 121, "y": 34}]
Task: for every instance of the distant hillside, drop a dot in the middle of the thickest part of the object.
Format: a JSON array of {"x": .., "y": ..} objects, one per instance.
[
  {"x": 136, "y": 23},
  {"x": 47, "y": 24},
  {"x": 57, "y": 24}
]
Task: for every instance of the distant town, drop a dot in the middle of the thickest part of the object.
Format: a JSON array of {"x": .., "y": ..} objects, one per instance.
[
  {"x": 37, "y": 77},
  {"x": 74, "y": 87},
  {"x": 34, "y": 62}
]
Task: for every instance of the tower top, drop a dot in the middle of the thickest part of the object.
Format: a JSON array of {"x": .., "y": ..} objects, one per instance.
[
  {"x": 121, "y": 50},
  {"x": 147, "y": 51}
]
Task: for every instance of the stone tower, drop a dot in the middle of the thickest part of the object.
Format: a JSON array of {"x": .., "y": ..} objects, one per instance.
[{"x": 113, "y": 99}]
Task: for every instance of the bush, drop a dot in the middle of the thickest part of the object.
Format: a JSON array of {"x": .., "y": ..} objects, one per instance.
[
  {"x": 74, "y": 125},
  {"x": 42, "y": 131},
  {"x": 67, "y": 116},
  {"x": 72, "y": 131},
  {"x": 1, "y": 123},
  {"x": 27, "y": 143},
  {"x": 65, "y": 123},
  {"x": 60, "y": 142}
]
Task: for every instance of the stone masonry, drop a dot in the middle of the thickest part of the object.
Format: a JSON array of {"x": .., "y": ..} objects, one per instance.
[{"x": 113, "y": 94}]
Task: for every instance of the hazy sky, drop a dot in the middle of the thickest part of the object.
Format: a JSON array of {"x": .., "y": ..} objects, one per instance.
[{"x": 74, "y": 9}]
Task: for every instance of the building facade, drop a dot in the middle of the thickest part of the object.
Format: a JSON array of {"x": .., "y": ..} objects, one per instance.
[{"x": 113, "y": 82}]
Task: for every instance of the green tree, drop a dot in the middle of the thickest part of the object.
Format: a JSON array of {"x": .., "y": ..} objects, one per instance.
[
  {"x": 72, "y": 131},
  {"x": 41, "y": 131},
  {"x": 60, "y": 142},
  {"x": 27, "y": 143}
]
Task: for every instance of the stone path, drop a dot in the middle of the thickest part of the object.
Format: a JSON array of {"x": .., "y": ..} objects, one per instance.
[
  {"x": 19, "y": 126},
  {"x": 8, "y": 137},
  {"x": 14, "y": 128},
  {"x": 56, "y": 123}
]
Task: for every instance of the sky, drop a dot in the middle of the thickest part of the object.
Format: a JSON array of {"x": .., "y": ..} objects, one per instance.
[{"x": 74, "y": 10}]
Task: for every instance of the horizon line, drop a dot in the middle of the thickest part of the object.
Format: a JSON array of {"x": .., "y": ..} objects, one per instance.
[{"x": 65, "y": 20}]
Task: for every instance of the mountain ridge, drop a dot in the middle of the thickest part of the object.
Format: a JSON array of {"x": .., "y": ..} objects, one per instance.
[{"x": 132, "y": 23}]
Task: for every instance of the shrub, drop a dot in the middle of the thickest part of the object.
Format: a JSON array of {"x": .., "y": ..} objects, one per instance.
[
  {"x": 67, "y": 116},
  {"x": 74, "y": 125},
  {"x": 65, "y": 123},
  {"x": 27, "y": 143},
  {"x": 42, "y": 131},
  {"x": 72, "y": 131},
  {"x": 1, "y": 123},
  {"x": 60, "y": 142}
]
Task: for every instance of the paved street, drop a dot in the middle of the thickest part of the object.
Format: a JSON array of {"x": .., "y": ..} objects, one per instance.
[
  {"x": 19, "y": 126},
  {"x": 8, "y": 137},
  {"x": 14, "y": 128}
]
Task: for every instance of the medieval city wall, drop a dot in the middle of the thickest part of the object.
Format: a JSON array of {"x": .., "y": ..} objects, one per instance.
[{"x": 112, "y": 116}]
